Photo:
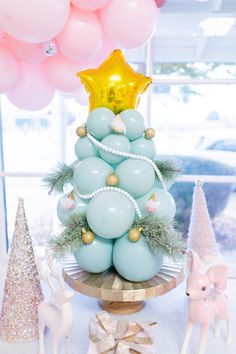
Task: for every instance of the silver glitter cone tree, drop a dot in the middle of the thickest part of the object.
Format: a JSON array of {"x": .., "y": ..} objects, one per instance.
[{"x": 22, "y": 293}]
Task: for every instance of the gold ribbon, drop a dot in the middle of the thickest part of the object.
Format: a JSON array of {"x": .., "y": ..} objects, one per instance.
[{"x": 121, "y": 337}]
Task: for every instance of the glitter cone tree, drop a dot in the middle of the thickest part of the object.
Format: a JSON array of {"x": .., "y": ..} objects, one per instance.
[
  {"x": 22, "y": 293},
  {"x": 201, "y": 237}
]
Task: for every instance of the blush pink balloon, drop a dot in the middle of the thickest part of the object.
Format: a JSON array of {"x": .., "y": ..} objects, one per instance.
[
  {"x": 27, "y": 52},
  {"x": 33, "y": 91},
  {"x": 61, "y": 73},
  {"x": 81, "y": 96},
  {"x": 160, "y": 3},
  {"x": 129, "y": 23},
  {"x": 89, "y": 5},
  {"x": 10, "y": 70},
  {"x": 82, "y": 36},
  {"x": 34, "y": 21},
  {"x": 104, "y": 52}
]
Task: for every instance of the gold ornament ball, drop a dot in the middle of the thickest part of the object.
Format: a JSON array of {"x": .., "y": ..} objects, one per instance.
[
  {"x": 112, "y": 179},
  {"x": 87, "y": 237},
  {"x": 150, "y": 133},
  {"x": 135, "y": 234},
  {"x": 81, "y": 131}
]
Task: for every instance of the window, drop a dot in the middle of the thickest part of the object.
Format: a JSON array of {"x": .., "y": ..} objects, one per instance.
[{"x": 190, "y": 106}]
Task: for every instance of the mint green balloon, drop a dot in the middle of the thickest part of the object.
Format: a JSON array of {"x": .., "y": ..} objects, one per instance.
[
  {"x": 117, "y": 142},
  {"x": 134, "y": 123},
  {"x": 137, "y": 177},
  {"x": 168, "y": 184},
  {"x": 80, "y": 206},
  {"x": 143, "y": 147},
  {"x": 95, "y": 257},
  {"x": 99, "y": 122},
  {"x": 84, "y": 148},
  {"x": 90, "y": 174},
  {"x": 134, "y": 261},
  {"x": 167, "y": 206},
  {"x": 110, "y": 214}
]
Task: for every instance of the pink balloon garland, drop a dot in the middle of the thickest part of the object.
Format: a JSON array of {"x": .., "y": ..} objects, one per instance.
[{"x": 43, "y": 46}]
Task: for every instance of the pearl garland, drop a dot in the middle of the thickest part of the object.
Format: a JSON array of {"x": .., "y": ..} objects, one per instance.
[
  {"x": 112, "y": 189},
  {"x": 128, "y": 155}
]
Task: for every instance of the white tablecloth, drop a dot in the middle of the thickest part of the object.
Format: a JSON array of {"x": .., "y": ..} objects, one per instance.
[{"x": 170, "y": 311}]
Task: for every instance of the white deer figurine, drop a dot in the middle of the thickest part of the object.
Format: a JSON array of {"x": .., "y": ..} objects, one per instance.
[
  {"x": 57, "y": 314},
  {"x": 207, "y": 300}
]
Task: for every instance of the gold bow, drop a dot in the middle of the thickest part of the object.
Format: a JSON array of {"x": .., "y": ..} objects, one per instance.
[{"x": 121, "y": 337}]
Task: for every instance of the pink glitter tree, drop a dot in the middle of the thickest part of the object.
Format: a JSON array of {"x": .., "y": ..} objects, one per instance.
[
  {"x": 22, "y": 293},
  {"x": 201, "y": 237}
]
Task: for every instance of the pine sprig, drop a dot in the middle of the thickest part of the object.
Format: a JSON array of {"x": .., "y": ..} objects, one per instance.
[
  {"x": 70, "y": 239},
  {"x": 60, "y": 176},
  {"x": 161, "y": 236},
  {"x": 169, "y": 168}
]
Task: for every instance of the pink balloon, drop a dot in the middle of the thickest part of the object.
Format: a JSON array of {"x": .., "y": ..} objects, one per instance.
[
  {"x": 160, "y": 3},
  {"x": 61, "y": 73},
  {"x": 10, "y": 70},
  {"x": 89, "y": 5},
  {"x": 104, "y": 52},
  {"x": 30, "y": 53},
  {"x": 129, "y": 23},
  {"x": 33, "y": 92},
  {"x": 81, "y": 96},
  {"x": 82, "y": 36},
  {"x": 34, "y": 21}
]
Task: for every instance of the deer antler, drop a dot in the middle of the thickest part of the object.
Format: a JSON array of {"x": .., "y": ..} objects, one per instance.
[
  {"x": 55, "y": 271},
  {"x": 42, "y": 272}
]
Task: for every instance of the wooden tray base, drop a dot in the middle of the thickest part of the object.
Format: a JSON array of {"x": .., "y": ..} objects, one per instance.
[{"x": 121, "y": 308}]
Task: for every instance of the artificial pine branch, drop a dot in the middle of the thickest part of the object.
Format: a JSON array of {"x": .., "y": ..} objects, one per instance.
[
  {"x": 70, "y": 239},
  {"x": 169, "y": 168},
  {"x": 161, "y": 236},
  {"x": 60, "y": 176}
]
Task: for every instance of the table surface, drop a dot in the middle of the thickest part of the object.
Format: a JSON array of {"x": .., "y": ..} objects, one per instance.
[{"x": 169, "y": 310}]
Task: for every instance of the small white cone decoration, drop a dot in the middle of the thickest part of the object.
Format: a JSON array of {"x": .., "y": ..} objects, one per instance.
[
  {"x": 201, "y": 236},
  {"x": 118, "y": 125},
  {"x": 22, "y": 293}
]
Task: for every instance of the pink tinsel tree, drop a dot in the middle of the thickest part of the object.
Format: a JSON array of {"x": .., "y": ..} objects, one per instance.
[{"x": 201, "y": 237}]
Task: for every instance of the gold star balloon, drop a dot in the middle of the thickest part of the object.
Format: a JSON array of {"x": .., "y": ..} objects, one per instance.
[{"x": 114, "y": 84}]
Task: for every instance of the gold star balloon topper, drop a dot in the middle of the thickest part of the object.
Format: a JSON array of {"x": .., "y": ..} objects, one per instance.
[{"x": 114, "y": 84}]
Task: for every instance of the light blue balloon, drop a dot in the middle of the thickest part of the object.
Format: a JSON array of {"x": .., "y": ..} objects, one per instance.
[
  {"x": 143, "y": 147},
  {"x": 80, "y": 207},
  {"x": 134, "y": 123},
  {"x": 167, "y": 206},
  {"x": 84, "y": 148},
  {"x": 117, "y": 142},
  {"x": 110, "y": 214},
  {"x": 95, "y": 257},
  {"x": 90, "y": 174},
  {"x": 134, "y": 261},
  {"x": 168, "y": 184},
  {"x": 137, "y": 177},
  {"x": 99, "y": 122}
]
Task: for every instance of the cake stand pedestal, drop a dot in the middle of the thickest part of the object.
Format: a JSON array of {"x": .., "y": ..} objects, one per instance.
[{"x": 117, "y": 295}]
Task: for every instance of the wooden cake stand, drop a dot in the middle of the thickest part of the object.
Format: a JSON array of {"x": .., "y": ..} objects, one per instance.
[{"x": 117, "y": 295}]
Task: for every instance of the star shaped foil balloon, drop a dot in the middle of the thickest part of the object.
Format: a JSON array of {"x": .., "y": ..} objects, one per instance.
[{"x": 114, "y": 84}]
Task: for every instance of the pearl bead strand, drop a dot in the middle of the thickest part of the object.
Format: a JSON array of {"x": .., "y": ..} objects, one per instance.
[
  {"x": 128, "y": 155},
  {"x": 112, "y": 189}
]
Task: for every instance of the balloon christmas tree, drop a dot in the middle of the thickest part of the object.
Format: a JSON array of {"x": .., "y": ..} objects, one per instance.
[{"x": 119, "y": 212}]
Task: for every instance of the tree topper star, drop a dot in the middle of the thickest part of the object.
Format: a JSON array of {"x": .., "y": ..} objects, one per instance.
[{"x": 114, "y": 84}]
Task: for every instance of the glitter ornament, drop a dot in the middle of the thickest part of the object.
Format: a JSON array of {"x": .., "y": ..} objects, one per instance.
[
  {"x": 68, "y": 203},
  {"x": 152, "y": 204},
  {"x": 22, "y": 293},
  {"x": 112, "y": 179},
  {"x": 81, "y": 131},
  {"x": 87, "y": 236},
  {"x": 149, "y": 133},
  {"x": 135, "y": 234},
  {"x": 50, "y": 48},
  {"x": 201, "y": 236},
  {"x": 118, "y": 125}
]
